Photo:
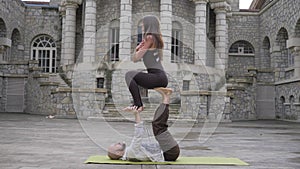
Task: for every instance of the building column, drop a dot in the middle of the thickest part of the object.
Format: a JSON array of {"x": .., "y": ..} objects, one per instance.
[
  {"x": 221, "y": 8},
  {"x": 293, "y": 45},
  {"x": 70, "y": 31},
  {"x": 125, "y": 30},
  {"x": 62, "y": 11},
  {"x": 200, "y": 32},
  {"x": 89, "y": 44},
  {"x": 297, "y": 61},
  {"x": 166, "y": 28}
]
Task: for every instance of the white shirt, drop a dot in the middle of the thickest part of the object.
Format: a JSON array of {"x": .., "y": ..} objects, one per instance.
[{"x": 142, "y": 147}]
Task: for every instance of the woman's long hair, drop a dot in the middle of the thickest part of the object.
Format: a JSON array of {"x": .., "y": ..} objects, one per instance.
[{"x": 152, "y": 27}]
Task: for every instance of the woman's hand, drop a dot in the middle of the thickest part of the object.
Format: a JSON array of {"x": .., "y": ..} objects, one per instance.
[
  {"x": 140, "y": 45},
  {"x": 142, "y": 48}
]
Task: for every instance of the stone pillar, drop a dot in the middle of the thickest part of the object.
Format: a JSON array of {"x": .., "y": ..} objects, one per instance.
[
  {"x": 297, "y": 61},
  {"x": 200, "y": 32},
  {"x": 89, "y": 44},
  {"x": 275, "y": 55},
  {"x": 70, "y": 31},
  {"x": 221, "y": 8},
  {"x": 166, "y": 27},
  {"x": 293, "y": 45},
  {"x": 125, "y": 30},
  {"x": 62, "y": 11}
]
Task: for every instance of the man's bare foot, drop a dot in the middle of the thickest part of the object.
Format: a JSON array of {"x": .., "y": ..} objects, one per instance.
[{"x": 165, "y": 92}]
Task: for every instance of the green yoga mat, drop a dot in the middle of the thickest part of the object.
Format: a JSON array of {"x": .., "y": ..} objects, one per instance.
[{"x": 180, "y": 161}]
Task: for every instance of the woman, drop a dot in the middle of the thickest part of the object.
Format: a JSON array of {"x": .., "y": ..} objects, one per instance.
[{"x": 150, "y": 49}]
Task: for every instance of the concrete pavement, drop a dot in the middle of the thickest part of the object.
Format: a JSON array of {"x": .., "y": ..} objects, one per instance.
[{"x": 36, "y": 142}]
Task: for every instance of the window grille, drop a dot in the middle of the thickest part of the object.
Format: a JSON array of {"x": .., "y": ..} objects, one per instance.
[{"x": 43, "y": 49}]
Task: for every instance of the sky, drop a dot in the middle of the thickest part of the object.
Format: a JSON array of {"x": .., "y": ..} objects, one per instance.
[{"x": 244, "y": 4}]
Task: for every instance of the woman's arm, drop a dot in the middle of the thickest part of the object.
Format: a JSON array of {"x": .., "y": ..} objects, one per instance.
[{"x": 142, "y": 48}]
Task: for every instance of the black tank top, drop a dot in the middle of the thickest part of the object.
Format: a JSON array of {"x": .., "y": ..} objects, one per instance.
[{"x": 152, "y": 61}]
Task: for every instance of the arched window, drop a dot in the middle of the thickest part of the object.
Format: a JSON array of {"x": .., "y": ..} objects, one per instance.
[
  {"x": 281, "y": 38},
  {"x": 139, "y": 32},
  {"x": 15, "y": 53},
  {"x": 176, "y": 46},
  {"x": 2, "y": 28},
  {"x": 281, "y": 106},
  {"x": 43, "y": 49},
  {"x": 241, "y": 47},
  {"x": 266, "y": 58},
  {"x": 297, "y": 29},
  {"x": 4, "y": 50},
  {"x": 114, "y": 30}
]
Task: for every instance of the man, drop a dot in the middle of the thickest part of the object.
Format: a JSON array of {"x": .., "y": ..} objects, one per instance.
[{"x": 141, "y": 147}]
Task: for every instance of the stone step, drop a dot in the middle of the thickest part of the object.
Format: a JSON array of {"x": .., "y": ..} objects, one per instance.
[
  {"x": 131, "y": 119},
  {"x": 58, "y": 79}
]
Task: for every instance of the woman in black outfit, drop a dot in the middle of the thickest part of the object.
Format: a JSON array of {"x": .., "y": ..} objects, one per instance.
[{"x": 150, "y": 49}]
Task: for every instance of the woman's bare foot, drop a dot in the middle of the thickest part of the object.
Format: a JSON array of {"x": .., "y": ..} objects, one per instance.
[
  {"x": 165, "y": 92},
  {"x": 133, "y": 109}
]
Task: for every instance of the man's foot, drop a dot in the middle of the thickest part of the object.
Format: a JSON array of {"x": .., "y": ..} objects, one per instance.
[{"x": 164, "y": 91}]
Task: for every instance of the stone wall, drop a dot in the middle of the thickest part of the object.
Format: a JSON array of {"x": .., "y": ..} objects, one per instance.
[
  {"x": 245, "y": 26},
  {"x": 41, "y": 20},
  {"x": 145, "y": 6},
  {"x": 288, "y": 108},
  {"x": 238, "y": 65},
  {"x": 2, "y": 94},
  {"x": 242, "y": 103},
  {"x": 184, "y": 10},
  {"x": 8, "y": 70},
  {"x": 13, "y": 19},
  {"x": 277, "y": 16},
  {"x": 203, "y": 105},
  {"x": 12, "y": 28}
]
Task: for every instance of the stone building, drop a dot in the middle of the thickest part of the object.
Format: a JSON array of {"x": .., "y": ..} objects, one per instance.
[{"x": 68, "y": 58}]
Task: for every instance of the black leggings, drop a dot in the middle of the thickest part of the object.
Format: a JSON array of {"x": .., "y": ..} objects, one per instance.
[
  {"x": 166, "y": 141},
  {"x": 154, "y": 78}
]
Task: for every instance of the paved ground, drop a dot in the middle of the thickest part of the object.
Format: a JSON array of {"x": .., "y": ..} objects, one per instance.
[{"x": 35, "y": 142}]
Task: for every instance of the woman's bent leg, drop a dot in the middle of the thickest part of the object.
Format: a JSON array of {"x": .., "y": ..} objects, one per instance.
[{"x": 133, "y": 88}]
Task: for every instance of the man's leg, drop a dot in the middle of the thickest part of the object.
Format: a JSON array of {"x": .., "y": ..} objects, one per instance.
[{"x": 160, "y": 129}]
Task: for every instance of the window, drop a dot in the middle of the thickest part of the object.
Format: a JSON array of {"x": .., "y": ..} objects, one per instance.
[
  {"x": 242, "y": 47},
  {"x": 43, "y": 49},
  {"x": 176, "y": 47},
  {"x": 186, "y": 85},
  {"x": 114, "y": 41},
  {"x": 291, "y": 58},
  {"x": 139, "y": 33},
  {"x": 100, "y": 82}
]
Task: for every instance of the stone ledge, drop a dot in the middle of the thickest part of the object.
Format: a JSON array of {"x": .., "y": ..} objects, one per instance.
[
  {"x": 14, "y": 63},
  {"x": 49, "y": 84},
  {"x": 5, "y": 42},
  {"x": 35, "y": 69},
  {"x": 78, "y": 90},
  {"x": 203, "y": 93},
  {"x": 235, "y": 88},
  {"x": 41, "y": 76},
  {"x": 287, "y": 81},
  {"x": 14, "y": 75},
  {"x": 265, "y": 70},
  {"x": 148, "y": 120}
]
